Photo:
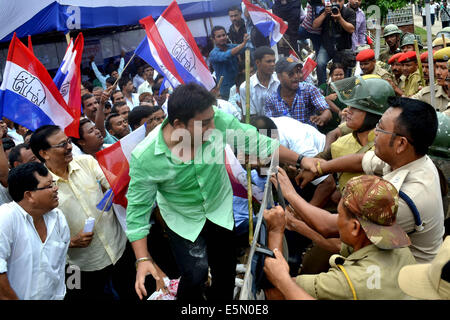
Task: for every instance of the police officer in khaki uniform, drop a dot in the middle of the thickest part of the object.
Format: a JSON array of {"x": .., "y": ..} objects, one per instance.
[
  {"x": 391, "y": 35},
  {"x": 429, "y": 281},
  {"x": 402, "y": 139},
  {"x": 398, "y": 79},
  {"x": 425, "y": 69},
  {"x": 442, "y": 99},
  {"x": 410, "y": 70},
  {"x": 367, "y": 224},
  {"x": 438, "y": 44},
  {"x": 369, "y": 65}
]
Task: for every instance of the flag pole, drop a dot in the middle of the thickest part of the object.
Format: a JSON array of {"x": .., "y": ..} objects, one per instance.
[
  {"x": 430, "y": 52},
  {"x": 249, "y": 169},
  {"x": 68, "y": 37},
  {"x": 104, "y": 208},
  {"x": 295, "y": 52},
  {"x": 120, "y": 75}
]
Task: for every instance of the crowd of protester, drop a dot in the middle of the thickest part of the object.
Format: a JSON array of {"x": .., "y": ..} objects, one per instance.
[{"x": 365, "y": 216}]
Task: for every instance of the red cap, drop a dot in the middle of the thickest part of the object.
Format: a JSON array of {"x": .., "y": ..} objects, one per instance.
[
  {"x": 408, "y": 56},
  {"x": 424, "y": 56},
  {"x": 367, "y": 54},
  {"x": 395, "y": 57}
]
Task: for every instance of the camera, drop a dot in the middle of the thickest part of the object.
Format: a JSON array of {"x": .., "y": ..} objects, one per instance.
[{"x": 335, "y": 8}]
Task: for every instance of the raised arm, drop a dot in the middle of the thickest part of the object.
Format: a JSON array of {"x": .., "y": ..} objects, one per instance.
[{"x": 100, "y": 114}]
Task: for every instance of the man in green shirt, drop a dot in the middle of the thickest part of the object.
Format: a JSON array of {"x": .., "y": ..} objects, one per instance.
[{"x": 180, "y": 165}]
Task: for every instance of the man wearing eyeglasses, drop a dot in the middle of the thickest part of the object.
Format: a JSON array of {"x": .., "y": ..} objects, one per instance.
[
  {"x": 34, "y": 237},
  {"x": 100, "y": 254},
  {"x": 402, "y": 138}
]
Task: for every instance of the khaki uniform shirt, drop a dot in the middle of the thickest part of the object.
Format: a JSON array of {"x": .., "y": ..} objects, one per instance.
[
  {"x": 412, "y": 84},
  {"x": 420, "y": 181},
  {"x": 348, "y": 144},
  {"x": 78, "y": 197},
  {"x": 373, "y": 273},
  {"x": 441, "y": 99},
  {"x": 401, "y": 82},
  {"x": 383, "y": 73}
]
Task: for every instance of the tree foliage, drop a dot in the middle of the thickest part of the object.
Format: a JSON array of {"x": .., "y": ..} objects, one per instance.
[{"x": 385, "y": 5}]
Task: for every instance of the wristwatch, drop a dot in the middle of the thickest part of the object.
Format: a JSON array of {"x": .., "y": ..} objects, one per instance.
[{"x": 299, "y": 161}]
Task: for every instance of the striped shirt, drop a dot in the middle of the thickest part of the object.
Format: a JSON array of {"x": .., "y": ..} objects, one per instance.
[
  {"x": 308, "y": 101},
  {"x": 308, "y": 21}
]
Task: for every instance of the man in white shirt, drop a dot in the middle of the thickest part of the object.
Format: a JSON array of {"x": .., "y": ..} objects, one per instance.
[
  {"x": 263, "y": 83},
  {"x": 34, "y": 237},
  {"x": 302, "y": 138},
  {"x": 433, "y": 7},
  {"x": 126, "y": 85},
  {"x": 139, "y": 78},
  {"x": 146, "y": 86}
]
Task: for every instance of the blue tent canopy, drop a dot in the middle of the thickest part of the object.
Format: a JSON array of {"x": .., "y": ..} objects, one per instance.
[{"x": 35, "y": 17}]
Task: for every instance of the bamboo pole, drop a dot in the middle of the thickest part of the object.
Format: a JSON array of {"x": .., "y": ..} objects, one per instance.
[
  {"x": 295, "y": 52},
  {"x": 68, "y": 37},
  {"x": 419, "y": 62},
  {"x": 249, "y": 169},
  {"x": 430, "y": 50}
]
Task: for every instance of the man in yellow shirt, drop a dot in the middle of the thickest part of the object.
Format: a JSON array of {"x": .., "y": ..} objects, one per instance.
[
  {"x": 102, "y": 253},
  {"x": 369, "y": 65},
  {"x": 410, "y": 70},
  {"x": 442, "y": 99}
]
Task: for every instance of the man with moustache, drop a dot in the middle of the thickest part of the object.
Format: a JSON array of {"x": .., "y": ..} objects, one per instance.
[
  {"x": 369, "y": 65},
  {"x": 34, "y": 237},
  {"x": 398, "y": 80},
  {"x": 117, "y": 126},
  {"x": 402, "y": 138},
  {"x": 391, "y": 35},
  {"x": 441, "y": 97},
  {"x": 100, "y": 254}
]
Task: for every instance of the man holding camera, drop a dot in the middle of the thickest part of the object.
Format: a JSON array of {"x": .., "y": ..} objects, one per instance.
[{"x": 338, "y": 24}]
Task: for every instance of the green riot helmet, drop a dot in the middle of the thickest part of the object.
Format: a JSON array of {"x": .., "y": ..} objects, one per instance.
[
  {"x": 391, "y": 29},
  {"x": 408, "y": 38},
  {"x": 441, "y": 144},
  {"x": 369, "y": 93},
  {"x": 445, "y": 32}
]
